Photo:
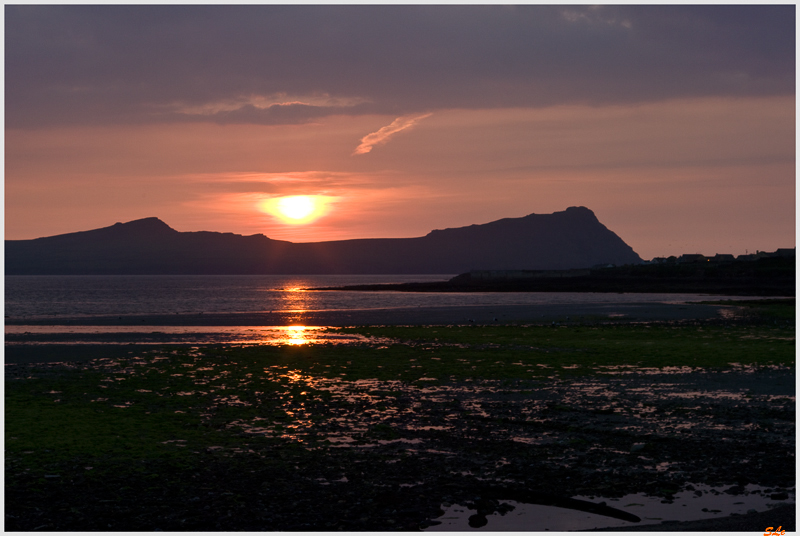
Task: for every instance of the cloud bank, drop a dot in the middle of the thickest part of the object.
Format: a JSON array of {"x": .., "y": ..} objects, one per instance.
[
  {"x": 382, "y": 136},
  {"x": 102, "y": 64}
]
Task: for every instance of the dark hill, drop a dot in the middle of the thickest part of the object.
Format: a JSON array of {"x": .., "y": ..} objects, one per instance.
[{"x": 573, "y": 238}]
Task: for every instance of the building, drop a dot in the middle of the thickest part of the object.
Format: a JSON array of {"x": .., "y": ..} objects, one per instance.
[{"x": 692, "y": 257}]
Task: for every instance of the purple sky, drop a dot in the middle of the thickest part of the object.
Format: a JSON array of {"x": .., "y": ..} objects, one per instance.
[{"x": 674, "y": 124}]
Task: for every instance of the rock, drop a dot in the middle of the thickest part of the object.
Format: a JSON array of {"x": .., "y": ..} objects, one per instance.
[
  {"x": 735, "y": 490},
  {"x": 504, "y": 508},
  {"x": 477, "y": 521}
]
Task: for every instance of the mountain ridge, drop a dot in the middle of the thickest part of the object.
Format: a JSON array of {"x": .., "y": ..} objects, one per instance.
[{"x": 572, "y": 238}]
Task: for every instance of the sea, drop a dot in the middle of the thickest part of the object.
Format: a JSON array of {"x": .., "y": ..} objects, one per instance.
[
  {"x": 52, "y": 296},
  {"x": 43, "y": 306},
  {"x": 47, "y": 296}
]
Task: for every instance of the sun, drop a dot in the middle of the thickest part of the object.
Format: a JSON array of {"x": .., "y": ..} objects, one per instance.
[{"x": 295, "y": 209}]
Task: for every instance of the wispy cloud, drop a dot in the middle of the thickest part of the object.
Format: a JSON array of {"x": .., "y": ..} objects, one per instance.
[
  {"x": 294, "y": 182},
  {"x": 382, "y": 136}
]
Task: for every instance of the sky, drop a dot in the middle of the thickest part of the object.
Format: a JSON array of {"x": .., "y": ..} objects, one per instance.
[{"x": 674, "y": 124}]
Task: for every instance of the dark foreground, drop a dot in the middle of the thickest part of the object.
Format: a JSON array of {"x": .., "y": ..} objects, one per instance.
[{"x": 382, "y": 436}]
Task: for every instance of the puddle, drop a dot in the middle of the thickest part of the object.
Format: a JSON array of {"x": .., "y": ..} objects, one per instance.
[{"x": 704, "y": 502}]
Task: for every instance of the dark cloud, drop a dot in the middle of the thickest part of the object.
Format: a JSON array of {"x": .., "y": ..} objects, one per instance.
[
  {"x": 274, "y": 114},
  {"x": 130, "y": 64}
]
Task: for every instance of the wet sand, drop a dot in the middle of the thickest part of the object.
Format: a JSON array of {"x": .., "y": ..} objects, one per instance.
[
  {"x": 460, "y": 440},
  {"x": 560, "y": 447},
  {"x": 42, "y": 348},
  {"x": 783, "y": 516}
]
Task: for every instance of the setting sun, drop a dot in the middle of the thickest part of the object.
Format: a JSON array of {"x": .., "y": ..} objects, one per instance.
[{"x": 295, "y": 209}]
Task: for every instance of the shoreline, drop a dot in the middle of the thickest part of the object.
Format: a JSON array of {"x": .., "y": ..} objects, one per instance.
[
  {"x": 469, "y": 314},
  {"x": 61, "y": 345}
]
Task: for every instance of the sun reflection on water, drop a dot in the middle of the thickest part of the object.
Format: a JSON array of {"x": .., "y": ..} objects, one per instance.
[{"x": 297, "y": 335}]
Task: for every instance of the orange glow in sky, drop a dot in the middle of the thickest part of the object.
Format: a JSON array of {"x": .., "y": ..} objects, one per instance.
[
  {"x": 295, "y": 209},
  {"x": 341, "y": 144}
]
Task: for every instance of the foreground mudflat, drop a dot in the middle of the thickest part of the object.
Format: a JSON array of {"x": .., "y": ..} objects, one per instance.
[{"x": 381, "y": 436}]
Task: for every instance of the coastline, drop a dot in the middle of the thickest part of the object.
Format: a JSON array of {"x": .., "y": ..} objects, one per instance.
[
  {"x": 768, "y": 276},
  {"x": 141, "y": 332},
  {"x": 477, "y": 314}
]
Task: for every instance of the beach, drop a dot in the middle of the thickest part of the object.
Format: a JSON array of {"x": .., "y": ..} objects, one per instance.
[{"x": 409, "y": 419}]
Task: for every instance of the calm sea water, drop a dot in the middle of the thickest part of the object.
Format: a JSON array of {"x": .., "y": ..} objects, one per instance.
[{"x": 43, "y": 296}]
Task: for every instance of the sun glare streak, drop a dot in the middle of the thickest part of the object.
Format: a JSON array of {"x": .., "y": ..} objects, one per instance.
[{"x": 295, "y": 209}]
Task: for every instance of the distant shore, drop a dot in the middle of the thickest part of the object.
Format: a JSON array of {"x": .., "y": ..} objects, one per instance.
[{"x": 769, "y": 276}]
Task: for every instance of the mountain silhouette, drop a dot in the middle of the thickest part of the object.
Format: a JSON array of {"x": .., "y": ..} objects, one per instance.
[{"x": 573, "y": 238}]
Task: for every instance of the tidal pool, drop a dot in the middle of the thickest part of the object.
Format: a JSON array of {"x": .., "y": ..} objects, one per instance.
[{"x": 697, "y": 502}]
